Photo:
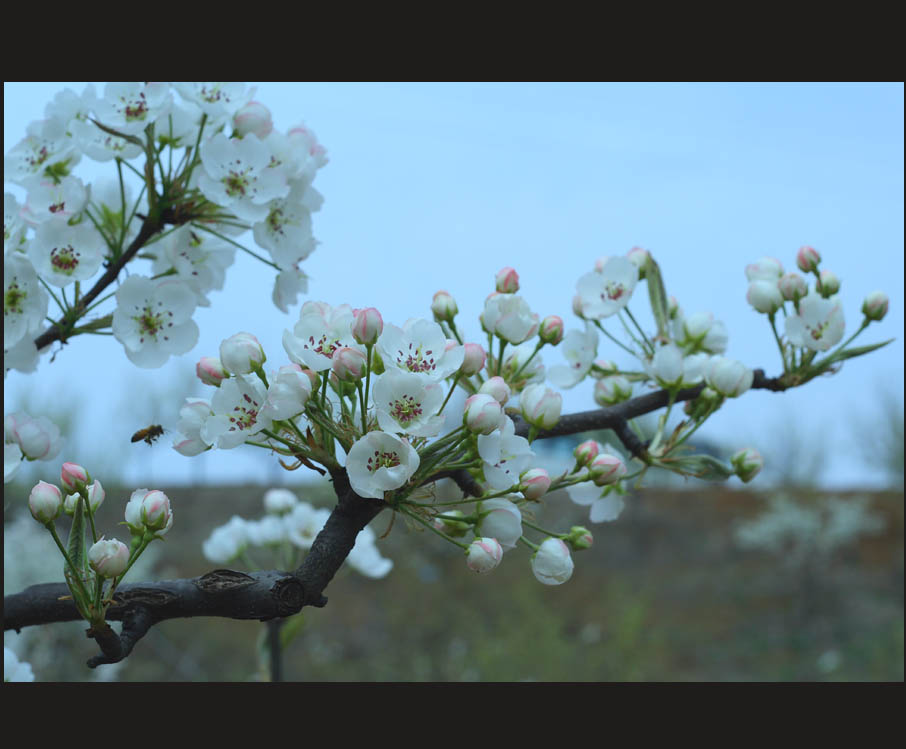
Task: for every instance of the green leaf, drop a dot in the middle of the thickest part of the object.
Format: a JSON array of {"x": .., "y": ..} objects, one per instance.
[
  {"x": 658, "y": 297},
  {"x": 76, "y": 548},
  {"x": 704, "y": 467}
]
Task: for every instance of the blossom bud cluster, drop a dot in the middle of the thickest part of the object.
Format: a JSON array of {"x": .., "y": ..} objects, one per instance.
[{"x": 245, "y": 169}]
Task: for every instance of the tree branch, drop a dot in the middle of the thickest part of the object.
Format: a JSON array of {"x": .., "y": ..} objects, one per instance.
[{"x": 273, "y": 594}]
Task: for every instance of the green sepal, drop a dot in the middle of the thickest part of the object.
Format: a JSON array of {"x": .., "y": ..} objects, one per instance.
[{"x": 658, "y": 297}]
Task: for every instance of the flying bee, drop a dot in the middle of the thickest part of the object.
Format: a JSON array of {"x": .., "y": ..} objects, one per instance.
[{"x": 148, "y": 434}]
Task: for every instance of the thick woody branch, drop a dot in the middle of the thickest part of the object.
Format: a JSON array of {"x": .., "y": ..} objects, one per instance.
[
  {"x": 150, "y": 227},
  {"x": 273, "y": 594}
]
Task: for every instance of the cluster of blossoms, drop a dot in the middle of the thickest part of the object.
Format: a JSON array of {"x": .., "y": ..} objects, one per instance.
[
  {"x": 224, "y": 170},
  {"x": 375, "y": 398},
  {"x": 288, "y": 528},
  {"x": 814, "y": 323},
  {"x": 371, "y": 398},
  {"x": 94, "y": 565}
]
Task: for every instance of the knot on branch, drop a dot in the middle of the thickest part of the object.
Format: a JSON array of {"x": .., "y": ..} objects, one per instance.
[
  {"x": 115, "y": 647},
  {"x": 223, "y": 580}
]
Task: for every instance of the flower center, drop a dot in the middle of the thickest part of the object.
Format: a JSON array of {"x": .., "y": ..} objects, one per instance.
[
  {"x": 244, "y": 416},
  {"x": 135, "y": 110},
  {"x": 151, "y": 324},
  {"x": 237, "y": 184},
  {"x": 12, "y": 302},
  {"x": 405, "y": 409},
  {"x": 382, "y": 460},
  {"x": 325, "y": 346},
  {"x": 64, "y": 259},
  {"x": 416, "y": 361},
  {"x": 613, "y": 290}
]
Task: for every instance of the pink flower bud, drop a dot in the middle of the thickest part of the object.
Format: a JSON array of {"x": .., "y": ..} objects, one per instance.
[
  {"x": 764, "y": 296},
  {"x": 639, "y": 259},
  {"x": 241, "y": 353},
  {"x": 747, "y": 462},
  {"x": 507, "y": 281},
  {"x": 807, "y": 259},
  {"x": 109, "y": 558},
  {"x": 586, "y": 452},
  {"x": 38, "y": 438},
  {"x": 579, "y": 538},
  {"x": 474, "y": 359},
  {"x": 348, "y": 364},
  {"x": 155, "y": 511},
  {"x": 551, "y": 330},
  {"x": 875, "y": 305},
  {"x": 45, "y": 502},
  {"x": 368, "y": 325},
  {"x": 603, "y": 367},
  {"x": 540, "y": 406},
  {"x": 534, "y": 483},
  {"x": 74, "y": 477},
  {"x": 497, "y": 388},
  {"x": 483, "y": 414},
  {"x": 612, "y": 390},
  {"x": 828, "y": 283},
  {"x": 764, "y": 269},
  {"x": 606, "y": 469},
  {"x": 552, "y": 564},
  {"x": 96, "y": 495},
  {"x": 210, "y": 371},
  {"x": 444, "y": 307},
  {"x": 484, "y": 554},
  {"x": 578, "y": 307},
  {"x": 792, "y": 286},
  {"x": 254, "y": 118}
]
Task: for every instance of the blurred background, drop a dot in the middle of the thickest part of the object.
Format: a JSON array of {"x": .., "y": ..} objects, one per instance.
[{"x": 437, "y": 186}]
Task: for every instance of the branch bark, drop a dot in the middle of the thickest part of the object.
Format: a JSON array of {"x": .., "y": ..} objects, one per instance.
[{"x": 272, "y": 594}]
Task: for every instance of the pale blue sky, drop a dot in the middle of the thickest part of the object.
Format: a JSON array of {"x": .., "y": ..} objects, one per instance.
[{"x": 437, "y": 186}]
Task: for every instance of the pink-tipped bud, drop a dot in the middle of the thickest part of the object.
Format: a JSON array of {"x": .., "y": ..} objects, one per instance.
[
  {"x": 473, "y": 359},
  {"x": 444, "y": 307},
  {"x": 579, "y": 538},
  {"x": 606, "y": 469},
  {"x": 807, "y": 259},
  {"x": 109, "y": 558},
  {"x": 155, "y": 511},
  {"x": 74, "y": 477},
  {"x": 45, "y": 502},
  {"x": 612, "y": 389},
  {"x": 586, "y": 452},
  {"x": 541, "y": 406},
  {"x": 483, "y": 414},
  {"x": 764, "y": 269},
  {"x": 507, "y": 281},
  {"x": 534, "y": 483},
  {"x": 348, "y": 364},
  {"x": 368, "y": 325},
  {"x": 241, "y": 353},
  {"x": 211, "y": 371},
  {"x": 828, "y": 283},
  {"x": 484, "y": 554},
  {"x": 254, "y": 118},
  {"x": 551, "y": 330},
  {"x": 747, "y": 462},
  {"x": 578, "y": 307},
  {"x": 875, "y": 305},
  {"x": 497, "y": 388},
  {"x": 449, "y": 525},
  {"x": 639, "y": 258},
  {"x": 792, "y": 286}
]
